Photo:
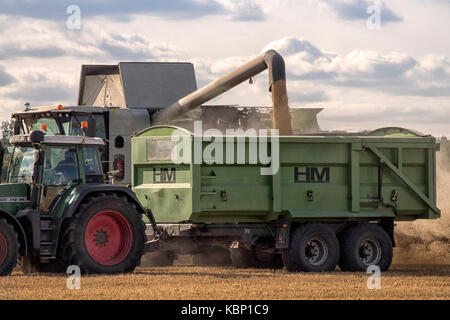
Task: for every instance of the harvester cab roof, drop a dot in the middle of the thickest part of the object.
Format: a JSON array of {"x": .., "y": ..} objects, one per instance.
[{"x": 38, "y": 138}]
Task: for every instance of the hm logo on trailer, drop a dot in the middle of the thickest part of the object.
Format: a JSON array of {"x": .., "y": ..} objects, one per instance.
[
  {"x": 165, "y": 175},
  {"x": 312, "y": 175}
]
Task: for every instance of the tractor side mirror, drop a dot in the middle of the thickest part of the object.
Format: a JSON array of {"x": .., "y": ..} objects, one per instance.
[{"x": 37, "y": 136}]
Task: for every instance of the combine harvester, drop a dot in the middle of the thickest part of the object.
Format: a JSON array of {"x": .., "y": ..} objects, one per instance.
[
  {"x": 119, "y": 100},
  {"x": 333, "y": 200}
]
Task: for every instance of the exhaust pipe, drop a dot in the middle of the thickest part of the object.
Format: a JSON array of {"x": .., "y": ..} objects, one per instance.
[{"x": 271, "y": 60}]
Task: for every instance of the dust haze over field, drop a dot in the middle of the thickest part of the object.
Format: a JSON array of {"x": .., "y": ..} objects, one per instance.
[{"x": 428, "y": 241}]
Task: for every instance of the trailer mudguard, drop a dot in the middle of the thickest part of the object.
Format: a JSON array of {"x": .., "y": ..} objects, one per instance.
[{"x": 19, "y": 229}]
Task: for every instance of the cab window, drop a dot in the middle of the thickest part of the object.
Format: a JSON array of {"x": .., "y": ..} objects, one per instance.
[
  {"x": 72, "y": 125},
  {"x": 60, "y": 166},
  {"x": 7, "y": 155},
  {"x": 92, "y": 165},
  {"x": 36, "y": 124},
  {"x": 22, "y": 165}
]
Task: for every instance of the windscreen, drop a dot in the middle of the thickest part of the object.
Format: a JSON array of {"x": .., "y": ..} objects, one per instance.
[
  {"x": 65, "y": 124},
  {"x": 22, "y": 165},
  {"x": 36, "y": 124}
]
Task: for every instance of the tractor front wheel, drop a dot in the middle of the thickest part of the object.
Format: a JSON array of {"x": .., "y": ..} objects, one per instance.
[
  {"x": 9, "y": 248},
  {"x": 105, "y": 236}
]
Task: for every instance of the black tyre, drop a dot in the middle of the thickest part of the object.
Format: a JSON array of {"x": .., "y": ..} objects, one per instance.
[
  {"x": 313, "y": 248},
  {"x": 364, "y": 245},
  {"x": 106, "y": 235},
  {"x": 261, "y": 255},
  {"x": 9, "y": 248}
]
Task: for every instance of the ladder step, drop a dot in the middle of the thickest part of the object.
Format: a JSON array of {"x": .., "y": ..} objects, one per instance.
[
  {"x": 47, "y": 243},
  {"x": 49, "y": 257},
  {"x": 47, "y": 229}
]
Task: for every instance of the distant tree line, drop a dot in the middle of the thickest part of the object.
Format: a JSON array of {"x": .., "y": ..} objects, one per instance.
[{"x": 7, "y": 128}]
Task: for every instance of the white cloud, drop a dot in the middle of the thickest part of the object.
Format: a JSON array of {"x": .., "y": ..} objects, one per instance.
[
  {"x": 5, "y": 77},
  {"x": 244, "y": 10},
  {"x": 36, "y": 39},
  {"x": 394, "y": 72},
  {"x": 356, "y": 10},
  {"x": 241, "y": 10},
  {"x": 368, "y": 80}
]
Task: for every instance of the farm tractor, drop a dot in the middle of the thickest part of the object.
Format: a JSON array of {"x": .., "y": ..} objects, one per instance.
[{"x": 56, "y": 210}]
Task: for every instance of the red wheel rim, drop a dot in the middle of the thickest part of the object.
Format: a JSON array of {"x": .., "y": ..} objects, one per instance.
[
  {"x": 3, "y": 248},
  {"x": 108, "y": 238}
]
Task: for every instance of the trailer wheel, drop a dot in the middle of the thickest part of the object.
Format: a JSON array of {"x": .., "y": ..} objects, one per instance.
[
  {"x": 313, "y": 248},
  {"x": 9, "y": 248},
  {"x": 105, "y": 236},
  {"x": 364, "y": 245}
]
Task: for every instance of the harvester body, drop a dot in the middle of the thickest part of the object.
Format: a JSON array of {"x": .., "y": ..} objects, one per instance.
[{"x": 120, "y": 100}]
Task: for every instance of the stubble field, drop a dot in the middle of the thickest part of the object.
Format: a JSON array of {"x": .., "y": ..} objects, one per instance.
[{"x": 188, "y": 282}]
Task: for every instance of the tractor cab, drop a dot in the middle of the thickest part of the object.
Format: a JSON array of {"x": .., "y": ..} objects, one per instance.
[{"x": 41, "y": 166}]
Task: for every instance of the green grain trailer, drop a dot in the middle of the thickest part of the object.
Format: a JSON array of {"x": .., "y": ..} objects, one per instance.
[{"x": 334, "y": 199}]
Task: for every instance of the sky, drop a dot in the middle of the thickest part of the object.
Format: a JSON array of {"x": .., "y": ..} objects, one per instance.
[{"x": 368, "y": 63}]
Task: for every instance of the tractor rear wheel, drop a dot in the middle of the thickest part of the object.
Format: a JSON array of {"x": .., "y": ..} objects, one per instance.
[
  {"x": 363, "y": 245},
  {"x": 106, "y": 235},
  {"x": 313, "y": 248},
  {"x": 9, "y": 248}
]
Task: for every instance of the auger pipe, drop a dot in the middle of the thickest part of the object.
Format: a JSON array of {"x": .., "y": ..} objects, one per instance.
[{"x": 271, "y": 60}]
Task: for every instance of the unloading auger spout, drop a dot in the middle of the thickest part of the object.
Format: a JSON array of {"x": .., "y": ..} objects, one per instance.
[{"x": 270, "y": 60}]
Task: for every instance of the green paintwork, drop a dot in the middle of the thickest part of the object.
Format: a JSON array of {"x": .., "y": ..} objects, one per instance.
[
  {"x": 13, "y": 197},
  {"x": 407, "y": 160}
]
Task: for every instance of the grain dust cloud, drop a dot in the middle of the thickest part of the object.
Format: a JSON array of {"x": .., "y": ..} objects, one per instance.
[{"x": 428, "y": 241}]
